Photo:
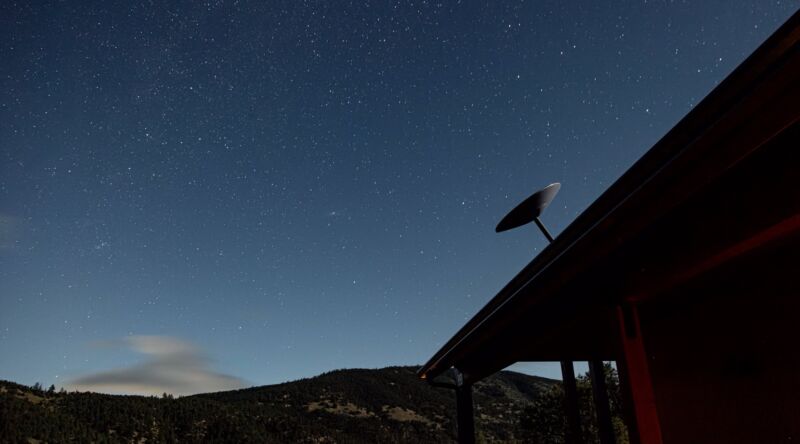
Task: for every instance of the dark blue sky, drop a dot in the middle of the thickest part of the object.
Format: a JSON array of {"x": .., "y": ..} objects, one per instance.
[{"x": 295, "y": 187}]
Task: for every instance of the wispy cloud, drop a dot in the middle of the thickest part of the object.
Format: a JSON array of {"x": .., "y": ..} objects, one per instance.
[{"x": 172, "y": 366}]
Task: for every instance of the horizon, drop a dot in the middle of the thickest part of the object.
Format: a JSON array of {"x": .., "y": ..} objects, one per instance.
[
  {"x": 45, "y": 386},
  {"x": 206, "y": 196}
]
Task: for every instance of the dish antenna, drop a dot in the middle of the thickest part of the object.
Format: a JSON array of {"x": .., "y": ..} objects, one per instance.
[{"x": 529, "y": 211}]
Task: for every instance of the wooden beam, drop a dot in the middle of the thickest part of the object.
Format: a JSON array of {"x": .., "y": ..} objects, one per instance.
[
  {"x": 639, "y": 383},
  {"x": 465, "y": 417},
  {"x": 601, "y": 406},
  {"x": 573, "y": 433}
]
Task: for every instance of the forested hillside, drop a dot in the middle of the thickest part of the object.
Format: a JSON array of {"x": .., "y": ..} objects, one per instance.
[{"x": 385, "y": 405}]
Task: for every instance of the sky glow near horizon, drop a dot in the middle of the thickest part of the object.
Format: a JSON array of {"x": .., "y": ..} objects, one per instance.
[{"x": 294, "y": 187}]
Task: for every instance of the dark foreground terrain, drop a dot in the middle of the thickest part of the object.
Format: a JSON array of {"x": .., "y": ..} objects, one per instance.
[{"x": 385, "y": 405}]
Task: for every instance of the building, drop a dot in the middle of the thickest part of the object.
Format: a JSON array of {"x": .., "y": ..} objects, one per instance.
[{"x": 686, "y": 272}]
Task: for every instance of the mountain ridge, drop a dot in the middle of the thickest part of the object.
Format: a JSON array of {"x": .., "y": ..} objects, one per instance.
[{"x": 349, "y": 405}]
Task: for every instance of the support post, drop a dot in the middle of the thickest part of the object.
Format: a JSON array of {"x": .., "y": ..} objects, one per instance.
[
  {"x": 629, "y": 415},
  {"x": 464, "y": 416},
  {"x": 634, "y": 371},
  {"x": 573, "y": 432},
  {"x": 601, "y": 406}
]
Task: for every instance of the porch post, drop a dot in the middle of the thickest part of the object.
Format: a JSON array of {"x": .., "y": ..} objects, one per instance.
[
  {"x": 601, "y": 406},
  {"x": 573, "y": 432},
  {"x": 464, "y": 415}
]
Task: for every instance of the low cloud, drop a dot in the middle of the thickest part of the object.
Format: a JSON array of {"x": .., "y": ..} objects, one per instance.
[{"x": 172, "y": 366}]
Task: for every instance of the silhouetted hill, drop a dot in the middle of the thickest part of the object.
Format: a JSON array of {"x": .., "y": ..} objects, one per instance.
[{"x": 384, "y": 405}]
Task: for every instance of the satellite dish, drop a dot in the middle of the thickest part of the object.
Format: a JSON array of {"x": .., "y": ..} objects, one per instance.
[{"x": 530, "y": 208}]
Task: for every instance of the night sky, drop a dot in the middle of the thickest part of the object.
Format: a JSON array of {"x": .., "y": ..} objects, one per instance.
[{"x": 253, "y": 192}]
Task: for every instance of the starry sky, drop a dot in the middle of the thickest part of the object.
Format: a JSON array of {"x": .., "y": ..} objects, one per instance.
[{"x": 263, "y": 191}]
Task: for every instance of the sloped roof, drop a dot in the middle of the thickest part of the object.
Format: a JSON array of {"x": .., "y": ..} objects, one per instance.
[{"x": 706, "y": 188}]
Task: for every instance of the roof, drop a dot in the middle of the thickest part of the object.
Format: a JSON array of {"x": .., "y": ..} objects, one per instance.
[{"x": 701, "y": 191}]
